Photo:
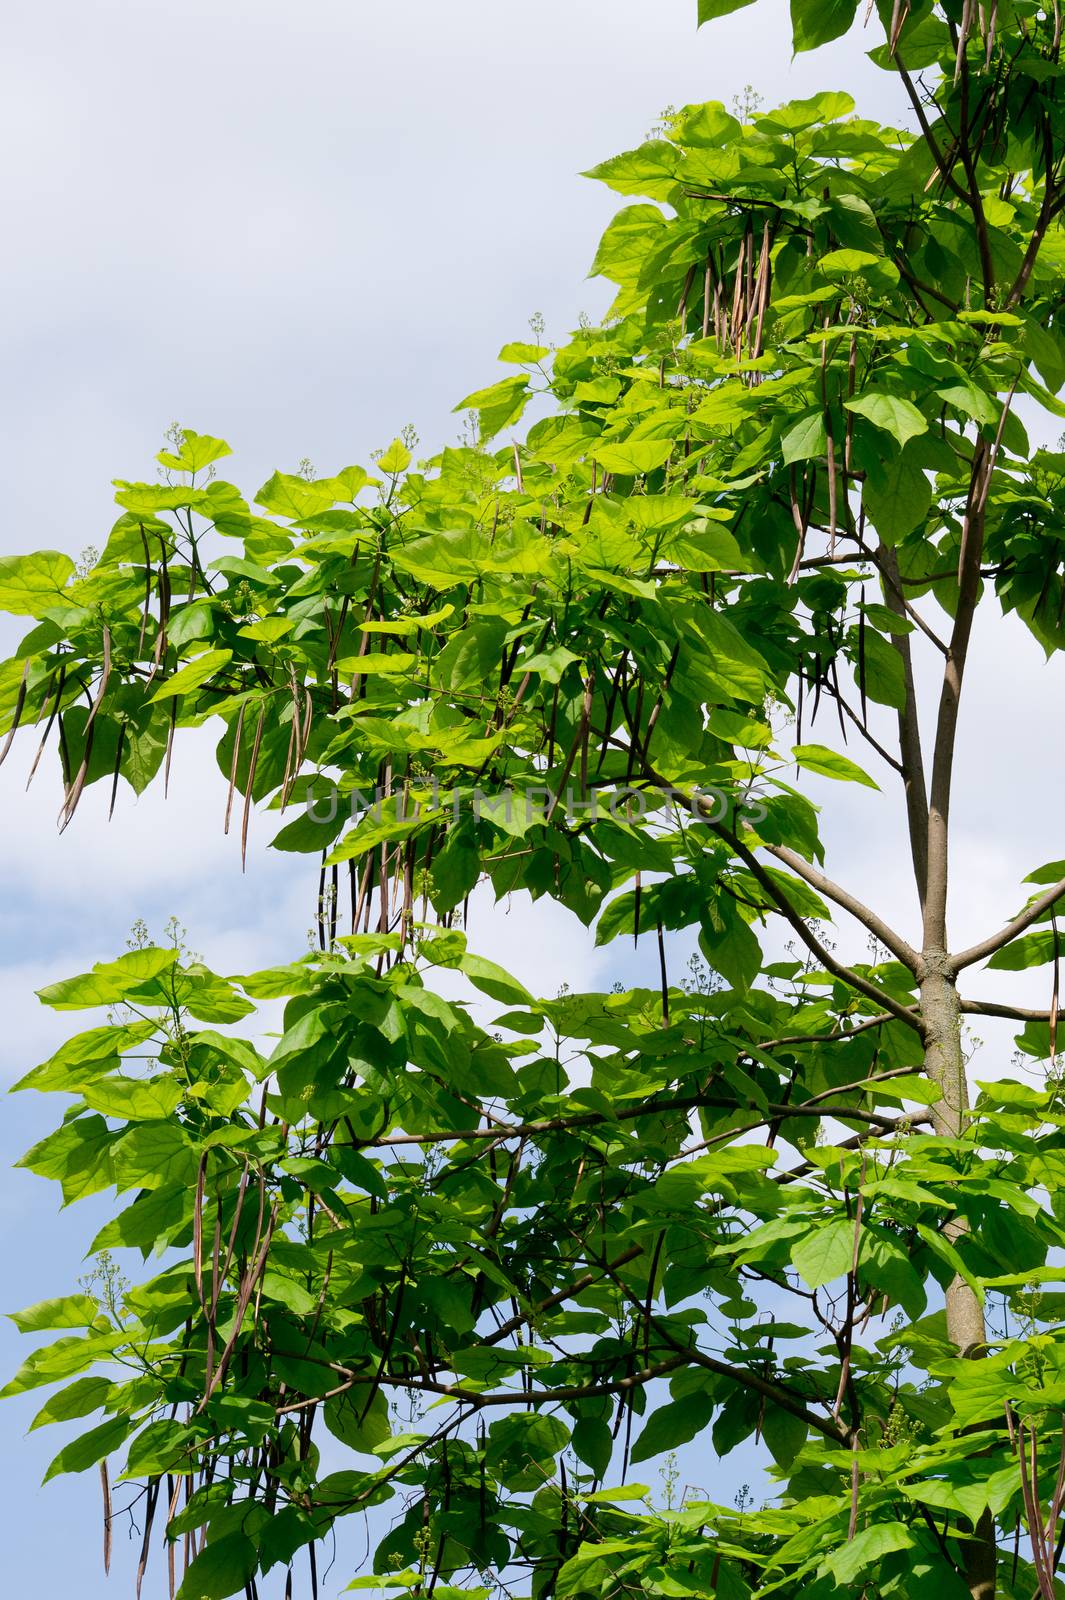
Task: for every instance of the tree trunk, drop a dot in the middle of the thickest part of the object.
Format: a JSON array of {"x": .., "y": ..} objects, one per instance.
[{"x": 945, "y": 1065}]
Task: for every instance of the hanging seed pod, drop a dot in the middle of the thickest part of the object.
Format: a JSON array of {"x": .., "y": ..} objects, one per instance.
[
  {"x": 765, "y": 275},
  {"x": 289, "y": 759},
  {"x": 682, "y": 305},
  {"x": 252, "y": 764},
  {"x": 169, "y": 747},
  {"x": 149, "y": 1517},
  {"x": 800, "y": 525},
  {"x": 968, "y": 10},
  {"x": 233, "y": 766},
  {"x": 105, "y": 1485},
  {"x": 663, "y": 975},
  {"x": 146, "y": 608},
  {"x": 74, "y": 791},
  {"x": 118, "y": 767},
  {"x": 17, "y": 717},
  {"x": 48, "y": 727},
  {"x": 159, "y": 653},
  {"x": 174, "y": 1490}
]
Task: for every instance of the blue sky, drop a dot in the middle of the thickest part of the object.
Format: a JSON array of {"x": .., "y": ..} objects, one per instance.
[{"x": 301, "y": 228}]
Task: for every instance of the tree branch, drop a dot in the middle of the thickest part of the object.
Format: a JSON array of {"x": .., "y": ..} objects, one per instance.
[
  {"x": 991, "y": 1008},
  {"x": 995, "y": 941},
  {"x": 887, "y": 936},
  {"x": 825, "y": 957}
]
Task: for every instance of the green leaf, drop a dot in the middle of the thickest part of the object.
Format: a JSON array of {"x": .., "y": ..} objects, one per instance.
[
  {"x": 647, "y": 171},
  {"x": 709, "y": 10},
  {"x": 897, "y": 494},
  {"x": 109, "y": 981},
  {"x": 78, "y": 1399},
  {"x": 705, "y": 127},
  {"x": 524, "y": 354},
  {"x": 30, "y": 584},
  {"x": 89, "y": 1448},
  {"x": 806, "y": 439},
  {"x": 784, "y": 1434},
  {"x": 195, "y": 672},
  {"x": 348, "y": 1420},
  {"x": 493, "y": 980},
  {"x": 674, "y": 1424},
  {"x": 818, "y": 22},
  {"x": 830, "y": 764},
  {"x": 891, "y": 412},
  {"x": 197, "y": 450},
  {"x": 222, "y": 1568},
  {"x": 499, "y": 405},
  {"x": 627, "y": 240},
  {"x": 1030, "y": 950},
  {"x": 72, "y": 1311},
  {"x": 869, "y": 1546},
  {"x": 395, "y": 459},
  {"x": 593, "y": 1444},
  {"x": 634, "y": 456},
  {"x": 825, "y": 1253}
]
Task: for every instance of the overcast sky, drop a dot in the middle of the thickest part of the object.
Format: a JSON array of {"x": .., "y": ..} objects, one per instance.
[{"x": 301, "y": 227}]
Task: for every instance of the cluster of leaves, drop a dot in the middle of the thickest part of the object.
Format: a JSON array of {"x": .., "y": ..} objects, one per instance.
[
  {"x": 599, "y": 1227},
  {"x": 396, "y": 1203}
]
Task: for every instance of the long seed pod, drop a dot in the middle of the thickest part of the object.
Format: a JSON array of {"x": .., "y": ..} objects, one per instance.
[
  {"x": 119, "y": 749},
  {"x": 800, "y": 526},
  {"x": 682, "y": 305},
  {"x": 737, "y": 290},
  {"x": 708, "y": 286},
  {"x": 963, "y": 36},
  {"x": 73, "y": 795},
  {"x": 233, "y": 766},
  {"x": 159, "y": 652},
  {"x": 174, "y": 1489},
  {"x": 290, "y": 758},
  {"x": 105, "y": 1485},
  {"x": 248, "y": 792},
  {"x": 169, "y": 747},
  {"x": 900, "y": 11},
  {"x": 149, "y": 1518},
  {"x": 608, "y": 719},
  {"x": 663, "y": 976},
  {"x": 146, "y": 608},
  {"x": 765, "y": 273},
  {"x": 51, "y": 719},
  {"x": 819, "y": 679},
  {"x": 17, "y": 718}
]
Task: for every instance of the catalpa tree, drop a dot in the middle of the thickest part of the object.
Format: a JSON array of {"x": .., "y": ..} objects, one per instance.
[{"x": 493, "y": 1252}]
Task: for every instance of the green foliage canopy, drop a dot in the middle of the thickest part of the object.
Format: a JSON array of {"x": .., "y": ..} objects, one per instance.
[{"x": 569, "y": 1235}]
